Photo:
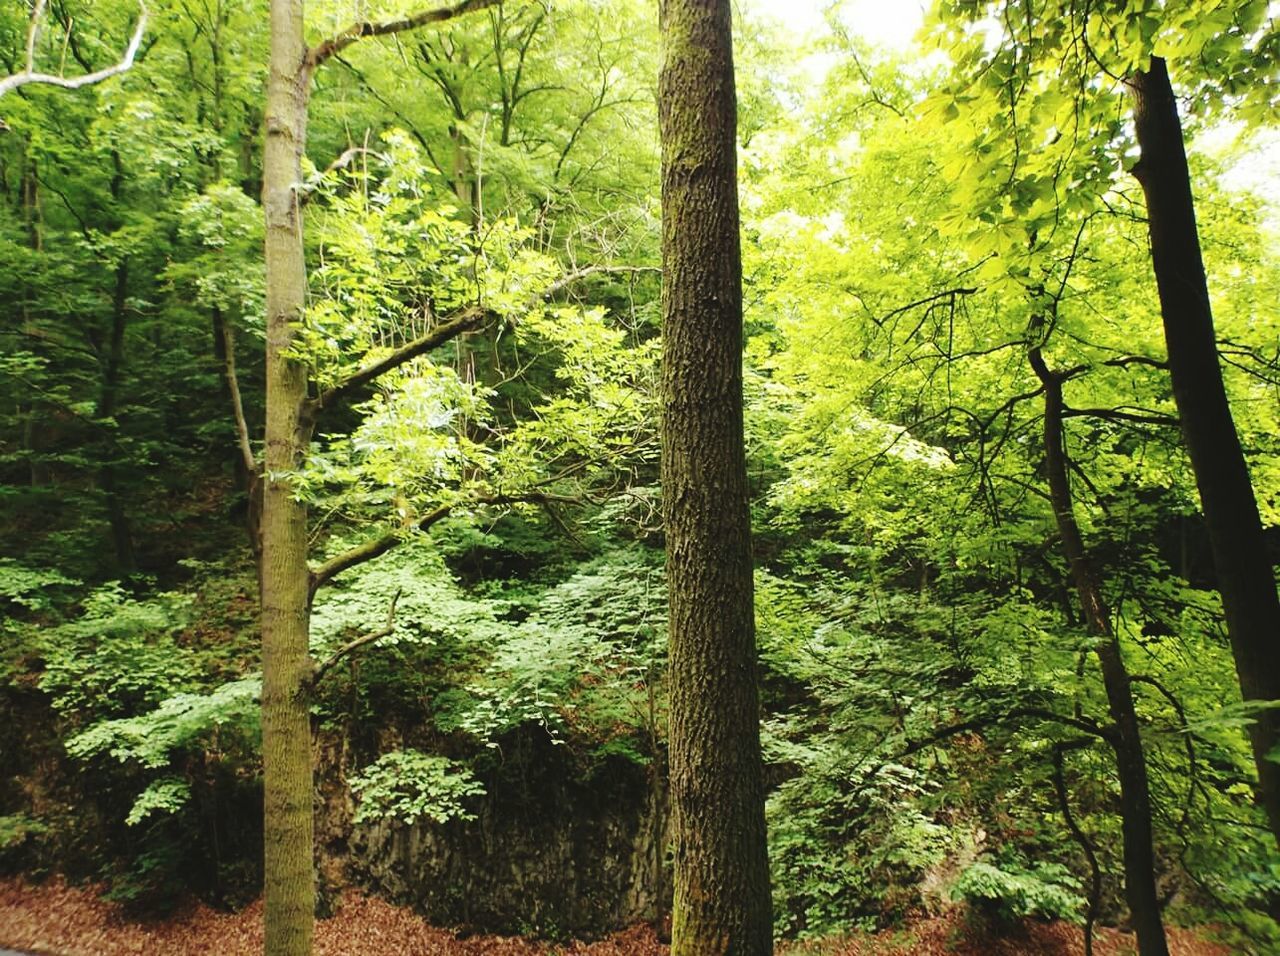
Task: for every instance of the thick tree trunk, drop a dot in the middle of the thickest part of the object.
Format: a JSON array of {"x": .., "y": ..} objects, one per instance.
[
  {"x": 289, "y": 883},
  {"x": 722, "y": 898},
  {"x": 1126, "y": 740},
  {"x": 1242, "y": 563}
]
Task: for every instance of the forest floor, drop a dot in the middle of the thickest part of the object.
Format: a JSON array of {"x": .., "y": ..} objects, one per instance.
[{"x": 54, "y": 919}]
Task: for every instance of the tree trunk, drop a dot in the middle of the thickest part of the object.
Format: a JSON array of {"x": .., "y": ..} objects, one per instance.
[
  {"x": 1125, "y": 738},
  {"x": 289, "y": 883},
  {"x": 722, "y": 897},
  {"x": 113, "y": 366},
  {"x": 1242, "y": 563},
  {"x": 29, "y": 186}
]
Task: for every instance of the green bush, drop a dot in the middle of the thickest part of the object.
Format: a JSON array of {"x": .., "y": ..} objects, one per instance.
[
  {"x": 120, "y": 656},
  {"x": 1015, "y": 891},
  {"x": 408, "y": 785}
]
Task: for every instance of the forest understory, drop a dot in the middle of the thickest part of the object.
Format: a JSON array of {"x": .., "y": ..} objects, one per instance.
[{"x": 808, "y": 468}]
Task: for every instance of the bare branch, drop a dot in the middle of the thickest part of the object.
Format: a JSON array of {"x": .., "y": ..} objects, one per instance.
[
  {"x": 571, "y": 277},
  {"x": 1120, "y": 415},
  {"x": 317, "y": 55},
  {"x": 348, "y": 156},
  {"x": 346, "y": 649},
  {"x": 1124, "y": 361},
  {"x": 233, "y": 389},
  {"x": 30, "y": 75},
  {"x": 946, "y": 294},
  {"x": 1083, "y": 724}
]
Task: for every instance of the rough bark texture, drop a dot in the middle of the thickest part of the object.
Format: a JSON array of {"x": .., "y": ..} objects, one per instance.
[
  {"x": 1126, "y": 740},
  {"x": 1245, "y": 577},
  {"x": 289, "y": 885},
  {"x": 722, "y": 898}
]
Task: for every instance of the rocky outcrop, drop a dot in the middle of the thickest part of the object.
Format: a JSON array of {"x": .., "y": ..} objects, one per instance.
[{"x": 556, "y": 848}]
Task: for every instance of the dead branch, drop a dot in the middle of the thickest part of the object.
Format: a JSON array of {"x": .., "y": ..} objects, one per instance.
[{"x": 30, "y": 75}]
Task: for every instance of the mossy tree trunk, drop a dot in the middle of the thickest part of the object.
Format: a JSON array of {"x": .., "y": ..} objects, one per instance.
[
  {"x": 1242, "y": 562},
  {"x": 721, "y": 878}
]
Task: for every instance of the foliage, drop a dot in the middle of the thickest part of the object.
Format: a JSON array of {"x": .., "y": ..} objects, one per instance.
[
  {"x": 181, "y": 721},
  {"x": 408, "y": 785},
  {"x": 30, "y": 588},
  {"x": 912, "y": 224},
  {"x": 119, "y": 655},
  {"x": 166, "y": 795},
  {"x": 1045, "y": 890},
  {"x": 17, "y": 828}
]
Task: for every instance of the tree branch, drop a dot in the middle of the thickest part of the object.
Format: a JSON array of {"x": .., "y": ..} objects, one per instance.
[
  {"x": 1083, "y": 724},
  {"x": 1118, "y": 415},
  {"x": 571, "y": 277},
  {"x": 947, "y": 294},
  {"x": 29, "y": 74},
  {"x": 321, "y": 669},
  {"x": 233, "y": 389},
  {"x": 470, "y": 319},
  {"x": 1124, "y": 361},
  {"x": 326, "y": 572},
  {"x": 467, "y": 321},
  {"x": 317, "y": 55},
  {"x": 304, "y": 190}
]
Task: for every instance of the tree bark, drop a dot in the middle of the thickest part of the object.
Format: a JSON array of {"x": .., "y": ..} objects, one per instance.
[
  {"x": 289, "y": 883},
  {"x": 1245, "y": 577},
  {"x": 721, "y": 875},
  {"x": 1125, "y": 737}
]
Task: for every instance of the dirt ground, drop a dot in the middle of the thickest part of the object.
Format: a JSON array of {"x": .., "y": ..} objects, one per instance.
[{"x": 59, "y": 920}]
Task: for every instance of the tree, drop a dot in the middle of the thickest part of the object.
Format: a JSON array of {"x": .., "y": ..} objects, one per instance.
[
  {"x": 886, "y": 385},
  {"x": 1242, "y": 561},
  {"x": 1044, "y": 105},
  {"x": 286, "y": 588},
  {"x": 722, "y": 898},
  {"x": 1124, "y": 734}
]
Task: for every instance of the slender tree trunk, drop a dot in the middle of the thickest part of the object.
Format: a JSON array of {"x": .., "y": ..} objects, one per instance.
[
  {"x": 113, "y": 366},
  {"x": 722, "y": 897},
  {"x": 248, "y": 478},
  {"x": 1126, "y": 740},
  {"x": 29, "y": 186},
  {"x": 1246, "y": 579},
  {"x": 289, "y": 882}
]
